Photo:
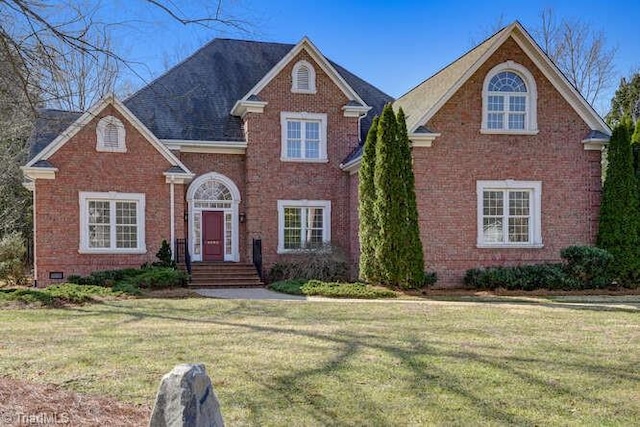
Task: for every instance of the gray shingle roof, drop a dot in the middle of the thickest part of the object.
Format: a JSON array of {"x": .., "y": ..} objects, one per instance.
[
  {"x": 193, "y": 100},
  {"x": 49, "y": 124}
]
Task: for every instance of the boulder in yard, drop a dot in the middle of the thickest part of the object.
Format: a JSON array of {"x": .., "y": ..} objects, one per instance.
[{"x": 186, "y": 399}]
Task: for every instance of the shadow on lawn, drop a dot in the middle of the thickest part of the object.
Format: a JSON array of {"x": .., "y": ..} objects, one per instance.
[{"x": 427, "y": 379}]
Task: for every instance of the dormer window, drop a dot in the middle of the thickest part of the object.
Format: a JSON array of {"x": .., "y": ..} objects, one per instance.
[
  {"x": 110, "y": 134},
  {"x": 303, "y": 78},
  {"x": 509, "y": 100}
]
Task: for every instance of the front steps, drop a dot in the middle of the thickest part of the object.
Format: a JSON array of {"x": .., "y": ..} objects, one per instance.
[{"x": 224, "y": 275}]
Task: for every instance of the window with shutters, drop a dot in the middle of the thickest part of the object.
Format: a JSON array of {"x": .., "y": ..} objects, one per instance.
[
  {"x": 110, "y": 135},
  {"x": 303, "y": 78}
]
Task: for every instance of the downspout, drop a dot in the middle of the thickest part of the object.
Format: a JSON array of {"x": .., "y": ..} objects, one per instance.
[{"x": 173, "y": 218}]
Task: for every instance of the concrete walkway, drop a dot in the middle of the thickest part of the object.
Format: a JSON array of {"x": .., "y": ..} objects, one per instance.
[{"x": 248, "y": 293}]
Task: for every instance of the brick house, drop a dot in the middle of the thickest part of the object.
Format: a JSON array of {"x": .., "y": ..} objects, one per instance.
[{"x": 250, "y": 140}]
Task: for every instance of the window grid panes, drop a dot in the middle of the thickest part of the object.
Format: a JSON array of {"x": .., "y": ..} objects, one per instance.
[
  {"x": 303, "y": 227},
  {"x": 303, "y": 139},
  {"x": 112, "y": 224},
  {"x": 126, "y": 225},
  {"x": 507, "y": 99},
  {"x": 227, "y": 231},
  {"x": 99, "y": 224},
  {"x": 197, "y": 240},
  {"x": 510, "y": 207}
]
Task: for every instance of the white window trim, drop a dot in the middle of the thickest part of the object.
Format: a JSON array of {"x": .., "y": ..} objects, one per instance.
[
  {"x": 112, "y": 196},
  {"x": 531, "y": 115},
  {"x": 285, "y": 116},
  {"x": 100, "y": 133},
  {"x": 326, "y": 219},
  {"x": 535, "y": 229},
  {"x": 234, "y": 210},
  {"x": 294, "y": 78}
]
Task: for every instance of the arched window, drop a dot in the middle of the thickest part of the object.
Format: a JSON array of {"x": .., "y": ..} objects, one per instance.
[
  {"x": 110, "y": 135},
  {"x": 303, "y": 78},
  {"x": 509, "y": 100}
]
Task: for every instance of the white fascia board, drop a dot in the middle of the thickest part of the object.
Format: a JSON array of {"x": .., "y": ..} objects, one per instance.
[
  {"x": 423, "y": 139},
  {"x": 39, "y": 173},
  {"x": 596, "y": 144},
  {"x": 199, "y": 146},
  {"x": 560, "y": 82},
  {"x": 355, "y": 111},
  {"x": 324, "y": 64},
  {"x": 243, "y": 107},
  {"x": 83, "y": 120},
  {"x": 353, "y": 166},
  {"x": 178, "y": 178}
]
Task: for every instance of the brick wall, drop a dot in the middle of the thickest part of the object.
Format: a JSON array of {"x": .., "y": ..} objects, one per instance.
[
  {"x": 269, "y": 179},
  {"x": 446, "y": 176},
  {"x": 233, "y": 167},
  {"x": 82, "y": 168}
]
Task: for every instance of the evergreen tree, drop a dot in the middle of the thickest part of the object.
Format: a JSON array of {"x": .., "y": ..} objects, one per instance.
[
  {"x": 368, "y": 227},
  {"x": 619, "y": 229},
  {"x": 626, "y": 101},
  {"x": 635, "y": 138},
  {"x": 414, "y": 256},
  {"x": 390, "y": 194}
]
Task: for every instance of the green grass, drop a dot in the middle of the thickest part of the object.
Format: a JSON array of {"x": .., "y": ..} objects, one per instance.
[
  {"x": 348, "y": 363},
  {"x": 331, "y": 289}
]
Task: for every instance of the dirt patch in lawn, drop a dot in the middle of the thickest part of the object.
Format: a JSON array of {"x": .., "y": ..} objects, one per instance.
[{"x": 27, "y": 404}]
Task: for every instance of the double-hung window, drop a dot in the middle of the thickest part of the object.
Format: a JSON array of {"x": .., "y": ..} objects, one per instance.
[
  {"x": 304, "y": 137},
  {"x": 112, "y": 222},
  {"x": 509, "y": 213},
  {"x": 303, "y": 224}
]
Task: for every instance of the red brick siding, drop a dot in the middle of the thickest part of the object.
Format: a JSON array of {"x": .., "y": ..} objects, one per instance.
[
  {"x": 230, "y": 165},
  {"x": 269, "y": 179},
  {"x": 446, "y": 176},
  {"x": 82, "y": 168}
]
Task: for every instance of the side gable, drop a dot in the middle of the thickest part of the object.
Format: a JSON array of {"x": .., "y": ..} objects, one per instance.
[
  {"x": 426, "y": 99},
  {"x": 34, "y": 168},
  {"x": 249, "y": 102}
]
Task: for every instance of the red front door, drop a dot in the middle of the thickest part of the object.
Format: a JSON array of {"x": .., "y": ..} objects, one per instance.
[{"x": 213, "y": 236}]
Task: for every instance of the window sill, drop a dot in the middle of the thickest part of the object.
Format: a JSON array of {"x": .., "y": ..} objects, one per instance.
[
  {"x": 111, "y": 150},
  {"x": 485, "y": 131},
  {"x": 295, "y": 160},
  {"x": 509, "y": 246},
  {"x": 308, "y": 91},
  {"x": 112, "y": 251}
]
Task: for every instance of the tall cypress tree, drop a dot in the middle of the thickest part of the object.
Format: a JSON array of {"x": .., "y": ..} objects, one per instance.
[
  {"x": 390, "y": 194},
  {"x": 413, "y": 256},
  {"x": 368, "y": 227},
  {"x": 619, "y": 229}
]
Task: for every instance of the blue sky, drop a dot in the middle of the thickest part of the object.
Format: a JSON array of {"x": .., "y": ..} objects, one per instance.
[{"x": 392, "y": 44}]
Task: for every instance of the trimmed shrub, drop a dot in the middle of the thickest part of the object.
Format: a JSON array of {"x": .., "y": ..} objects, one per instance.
[
  {"x": 327, "y": 262},
  {"x": 588, "y": 265},
  {"x": 12, "y": 253},
  {"x": 522, "y": 277},
  {"x": 165, "y": 258},
  {"x": 331, "y": 289},
  {"x": 157, "y": 278}
]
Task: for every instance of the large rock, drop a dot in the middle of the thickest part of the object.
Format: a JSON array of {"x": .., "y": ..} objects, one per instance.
[{"x": 186, "y": 399}]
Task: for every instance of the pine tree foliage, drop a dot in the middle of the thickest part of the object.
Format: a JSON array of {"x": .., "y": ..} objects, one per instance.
[
  {"x": 368, "y": 227},
  {"x": 414, "y": 257},
  {"x": 389, "y": 211},
  {"x": 619, "y": 228},
  {"x": 626, "y": 101}
]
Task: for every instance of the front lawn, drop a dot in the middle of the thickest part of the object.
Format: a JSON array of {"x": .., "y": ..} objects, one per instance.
[{"x": 538, "y": 362}]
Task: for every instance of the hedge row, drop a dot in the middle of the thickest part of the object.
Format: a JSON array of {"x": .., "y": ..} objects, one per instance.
[{"x": 585, "y": 267}]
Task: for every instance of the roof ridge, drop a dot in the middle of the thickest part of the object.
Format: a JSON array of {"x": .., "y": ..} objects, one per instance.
[{"x": 458, "y": 59}]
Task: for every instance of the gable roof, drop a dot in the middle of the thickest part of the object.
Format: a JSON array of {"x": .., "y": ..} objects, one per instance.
[
  {"x": 306, "y": 45},
  {"x": 194, "y": 99},
  {"x": 421, "y": 103},
  {"x": 76, "y": 125}
]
